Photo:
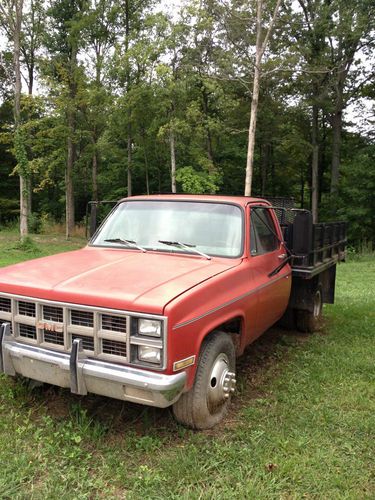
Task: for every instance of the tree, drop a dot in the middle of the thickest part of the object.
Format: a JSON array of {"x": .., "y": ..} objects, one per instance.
[
  {"x": 100, "y": 31},
  {"x": 309, "y": 28},
  {"x": 11, "y": 18},
  {"x": 63, "y": 42},
  {"x": 353, "y": 31},
  {"x": 31, "y": 40},
  {"x": 261, "y": 45},
  {"x": 132, "y": 18}
]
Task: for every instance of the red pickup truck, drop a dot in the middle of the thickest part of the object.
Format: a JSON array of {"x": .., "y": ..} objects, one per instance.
[{"x": 168, "y": 292}]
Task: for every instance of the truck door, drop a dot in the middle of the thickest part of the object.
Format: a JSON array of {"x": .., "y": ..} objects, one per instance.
[{"x": 266, "y": 254}]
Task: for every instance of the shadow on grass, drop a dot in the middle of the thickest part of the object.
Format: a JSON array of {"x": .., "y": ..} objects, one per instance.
[{"x": 262, "y": 360}]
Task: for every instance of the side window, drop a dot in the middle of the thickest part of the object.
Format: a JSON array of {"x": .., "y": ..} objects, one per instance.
[{"x": 262, "y": 232}]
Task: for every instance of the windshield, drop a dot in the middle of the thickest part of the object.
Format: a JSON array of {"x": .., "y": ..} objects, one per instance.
[{"x": 212, "y": 228}]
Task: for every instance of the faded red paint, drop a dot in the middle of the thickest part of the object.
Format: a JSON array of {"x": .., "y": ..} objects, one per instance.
[{"x": 197, "y": 295}]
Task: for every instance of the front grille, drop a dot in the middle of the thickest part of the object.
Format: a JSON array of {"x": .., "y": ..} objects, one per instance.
[
  {"x": 51, "y": 313},
  {"x": 82, "y": 318},
  {"x": 26, "y": 309},
  {"x": 87, "y": 342},
  {"x": 27, "y": 331},
  {"x": 113, "y": 323},
  {"x": 105, "y": 333},
  {"x": 53, "y": 337},
  {"x": 114, "y": 347},
  {"x": 5, "y": 305}
]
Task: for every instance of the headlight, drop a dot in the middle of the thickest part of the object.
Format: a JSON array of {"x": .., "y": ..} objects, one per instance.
[
  {"x": 149, "y": 327},
  {"x": 149, "y": 354}
]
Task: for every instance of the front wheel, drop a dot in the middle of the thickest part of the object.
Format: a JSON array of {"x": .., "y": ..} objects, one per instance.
[
  {"x": 311, "y": 321},
  {"x": 207, "y": 401}
]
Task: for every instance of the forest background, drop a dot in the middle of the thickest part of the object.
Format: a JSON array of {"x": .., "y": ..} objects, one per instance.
[{"x": 125, "y": 97}]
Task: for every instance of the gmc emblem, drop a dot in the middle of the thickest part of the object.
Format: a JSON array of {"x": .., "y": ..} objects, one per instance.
[{"x": 50, "y": 327}]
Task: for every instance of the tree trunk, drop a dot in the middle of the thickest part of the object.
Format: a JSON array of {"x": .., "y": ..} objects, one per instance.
[
  {"x": 70, "y": 218},
  {"x": 322, "y": 159},
  {"x": 210, "y": 155},
  {"x": 129, "y": 161},
  {"x": 30, "y": 82},
  {"x": 127, "y": 80},
  {"x": 346, "y": 50},
  {"x": 172, "y": 144},
  {"x": 24, "y": 197},
  {"x": 95, "y": 175},
  {"x": 24, "y": 228},
  {"x": 315, "y": 162},
  {"x": 30, "y": 198},
  {"x": 254, "y": 103},
  {"x": 252, "y": 129},
  {"x": 265, "y": 151},
  {"x": 336, "y": 146},
  {"x": 30, "y": 88},
  {"x": 71, "y": 147},
  {"x": 159, "y": 179},
  {"x": 260, "y": 48},
  {"x": 146, "y": 166},
  {"x": 302, "y": 188}
]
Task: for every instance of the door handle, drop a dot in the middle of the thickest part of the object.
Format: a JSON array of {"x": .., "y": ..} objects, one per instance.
[{"x": 282, "y": 256}]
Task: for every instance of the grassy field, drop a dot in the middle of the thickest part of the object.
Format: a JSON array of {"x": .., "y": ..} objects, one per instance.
[{"x": 301, "y": 426}]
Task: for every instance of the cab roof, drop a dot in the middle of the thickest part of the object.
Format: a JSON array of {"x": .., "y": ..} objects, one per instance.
[{"x": 238, "y": 200}]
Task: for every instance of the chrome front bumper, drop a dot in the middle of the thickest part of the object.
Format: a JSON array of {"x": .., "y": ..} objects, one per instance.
[{"x": 83, "y": 375}]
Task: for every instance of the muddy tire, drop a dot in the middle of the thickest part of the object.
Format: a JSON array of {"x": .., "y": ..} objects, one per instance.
[
  {"x": 207, "y": 402},
  {"x": 311, "y": 321}
]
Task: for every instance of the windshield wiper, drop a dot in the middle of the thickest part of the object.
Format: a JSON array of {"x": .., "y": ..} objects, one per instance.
[
  {"x": 178, "y": 244},
  {"x": 128, "y": 243}
]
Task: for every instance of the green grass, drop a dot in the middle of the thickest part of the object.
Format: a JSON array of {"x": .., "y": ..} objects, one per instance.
[
  {"x": 302, "y": 424},
  {"x": 12, "y": 250}
]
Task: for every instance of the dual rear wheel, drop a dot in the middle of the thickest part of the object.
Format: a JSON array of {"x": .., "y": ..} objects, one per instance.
[
  {"x": 304, "y": 320},
  {"x": 311, "y": 321}
]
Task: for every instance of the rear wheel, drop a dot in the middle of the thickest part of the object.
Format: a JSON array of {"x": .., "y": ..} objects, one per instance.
[
  {"x": 207, "y": 401},
  {"x": 311, "y": 321}
]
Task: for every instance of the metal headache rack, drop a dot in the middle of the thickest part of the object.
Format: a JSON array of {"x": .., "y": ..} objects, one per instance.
[
  {"x": 283, "y": 208},
  {"x": 315, "y": 247}
]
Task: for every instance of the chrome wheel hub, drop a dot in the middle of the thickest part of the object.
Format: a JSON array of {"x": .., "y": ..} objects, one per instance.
[
  {"x": 221, "y": 383},
  {"x": 317, "y": 304}
]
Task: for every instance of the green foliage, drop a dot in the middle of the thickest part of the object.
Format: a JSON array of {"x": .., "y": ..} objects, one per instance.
[
  {"x": 9, "y": 209},
  {"x": 140, "y": 85},
  {"x": 27, "y": 245},
  {"x": 197, "y": 182},
  {"x": 20, "y": 153},
  {"x": 34, "y": 223},
  {"x": 357, "y": 195}
]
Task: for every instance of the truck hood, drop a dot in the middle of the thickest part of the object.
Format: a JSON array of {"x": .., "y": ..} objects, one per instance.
[{"x": 112, "y": 278}]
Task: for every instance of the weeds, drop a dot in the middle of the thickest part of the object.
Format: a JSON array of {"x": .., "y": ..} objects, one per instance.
[
  {"x": 302, "y": 424},
  {"x": 26, "y": 245}
]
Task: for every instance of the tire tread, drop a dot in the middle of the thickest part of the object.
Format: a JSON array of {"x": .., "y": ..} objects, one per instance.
[{"x": 189, "y": 409}]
